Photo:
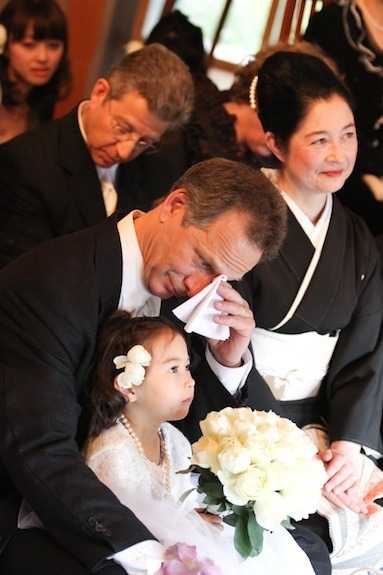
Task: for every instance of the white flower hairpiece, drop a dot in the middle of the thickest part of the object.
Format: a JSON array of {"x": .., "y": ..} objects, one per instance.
[
  {"x": 3, "y": 38},
  {"x": 133, "y": 362}
]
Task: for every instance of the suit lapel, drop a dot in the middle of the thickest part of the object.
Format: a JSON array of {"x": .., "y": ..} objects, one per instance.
[
  {"x": 128, "y": 185},
  {"x": 79, "y": 171}
]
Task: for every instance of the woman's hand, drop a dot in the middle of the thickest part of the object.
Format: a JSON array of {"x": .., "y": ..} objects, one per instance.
[
  {"x": 342, "y": 487},
  {"x": 241, "y": 322},
  {"x": 211, "y": 518}
]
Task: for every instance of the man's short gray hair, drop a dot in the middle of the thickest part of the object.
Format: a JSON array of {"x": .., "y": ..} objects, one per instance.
[{"x": 159, "y": 76}]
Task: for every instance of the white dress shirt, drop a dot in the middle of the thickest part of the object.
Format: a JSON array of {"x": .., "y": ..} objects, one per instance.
[
  {"x": 146, "y": 557},
  {"x": 107, "y": 176}
]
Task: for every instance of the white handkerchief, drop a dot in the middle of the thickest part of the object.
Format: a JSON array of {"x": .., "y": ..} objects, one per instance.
[{"x": 197, "y": 312}]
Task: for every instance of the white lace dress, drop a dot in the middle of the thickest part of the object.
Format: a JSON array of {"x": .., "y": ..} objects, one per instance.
[{"x": 138, "y": 484}]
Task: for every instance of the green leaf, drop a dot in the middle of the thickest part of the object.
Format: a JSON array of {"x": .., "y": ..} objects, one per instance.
[
  {"x": 186, "y": 494},
  {"x": 242, "y": 510},
  {"x": 223, "y": 506},
  {"x": 255, "y": 532},
  {"x": 287, "y": 523},
  {"x": 205, "y": 474},
  {"x": 212, "y": 489},
  {"x": 241, "y": 537},
  {"x": 231, "y": 519},
  {"x": 188, "y": 470},
  {"x": 248, "y": 535},
  {"x": 211, "y": 500}
]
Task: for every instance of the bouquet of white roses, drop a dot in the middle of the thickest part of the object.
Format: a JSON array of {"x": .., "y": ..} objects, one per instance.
[{"x": 261, "y": 468}]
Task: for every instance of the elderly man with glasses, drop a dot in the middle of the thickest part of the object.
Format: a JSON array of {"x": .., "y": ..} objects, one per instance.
[{"x": 73, "y": 172}]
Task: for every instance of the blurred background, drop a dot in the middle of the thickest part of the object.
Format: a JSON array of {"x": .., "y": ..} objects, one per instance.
[{"x": 232, "y": 30}]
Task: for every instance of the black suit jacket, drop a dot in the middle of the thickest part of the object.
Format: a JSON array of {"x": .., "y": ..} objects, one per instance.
[
  {"x": 49, "y": 185},
  {"x": 52, "y": 302}
]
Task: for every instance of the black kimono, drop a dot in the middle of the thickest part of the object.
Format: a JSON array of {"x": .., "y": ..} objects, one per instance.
[{"x": 345, "y": 293}]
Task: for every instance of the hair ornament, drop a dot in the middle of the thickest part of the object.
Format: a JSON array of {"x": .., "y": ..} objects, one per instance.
[
  {"x": 134, "y": 362},
  {"x": 253, "y": 93},
  {"x": 3, "y": 38}
]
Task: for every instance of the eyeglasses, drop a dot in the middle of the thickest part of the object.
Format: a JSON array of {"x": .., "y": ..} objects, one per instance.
[{"x": 127, "y": 134}]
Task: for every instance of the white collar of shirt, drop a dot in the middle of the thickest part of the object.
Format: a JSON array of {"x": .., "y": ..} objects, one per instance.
[
  {"x": 312, "y": 231},
  {"x": 134, "y": 296},
  {"x": 104, "y": 174}
]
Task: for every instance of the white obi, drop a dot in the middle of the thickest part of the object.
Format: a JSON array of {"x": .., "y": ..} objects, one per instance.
[{"x": 293, "y": 365}]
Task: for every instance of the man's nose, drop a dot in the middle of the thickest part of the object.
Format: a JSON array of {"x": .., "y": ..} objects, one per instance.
[
  {"x": 126, "y": 149},
  {"x": 196, "y": 282}
]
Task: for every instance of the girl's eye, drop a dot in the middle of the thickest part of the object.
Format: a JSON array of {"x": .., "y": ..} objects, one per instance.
[
  {"x": 28, "y": 44},
  {"x": 187, "y": 367},
  {"x": 174, "y": 369},
  {"x": 55, "y": 44}
]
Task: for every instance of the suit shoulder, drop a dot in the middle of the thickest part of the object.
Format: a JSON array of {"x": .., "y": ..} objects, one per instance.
[{"x": 31, "y": 142}]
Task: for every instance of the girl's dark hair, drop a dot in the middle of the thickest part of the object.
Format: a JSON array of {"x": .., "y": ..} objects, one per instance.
[
  {"x": 49, "y": 22},
  {"x": 288, "y": 84},
  {"x": 117, "y": 336}
]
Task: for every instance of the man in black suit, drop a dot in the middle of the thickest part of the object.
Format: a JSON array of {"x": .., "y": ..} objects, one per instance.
[
  {"x": 220, "y": 217},
  {"x": 71, "y": 173}
]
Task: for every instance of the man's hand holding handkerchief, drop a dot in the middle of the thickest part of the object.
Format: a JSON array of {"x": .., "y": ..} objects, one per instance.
[
  {"x": 220, "y": 314},
  {"x": 197, "y": 312}
]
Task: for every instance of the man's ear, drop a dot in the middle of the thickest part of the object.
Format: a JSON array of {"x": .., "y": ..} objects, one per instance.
[
  {"x": 272, "y": 144},
  {"x": 129, "y": 394},
  {"x": 100, "y": 91},
  {"x": 173, "y": 204}
]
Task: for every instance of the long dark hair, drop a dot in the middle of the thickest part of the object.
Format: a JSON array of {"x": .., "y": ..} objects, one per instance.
[
  {"x": 49, "y": 22},
  {"x": 117, "y": 336}
]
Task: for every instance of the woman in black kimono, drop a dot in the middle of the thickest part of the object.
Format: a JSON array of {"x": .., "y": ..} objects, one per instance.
[{"x": 318, "y": 305}]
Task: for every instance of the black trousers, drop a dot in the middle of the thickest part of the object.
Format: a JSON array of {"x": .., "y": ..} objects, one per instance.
[
  {"x": 313, "y": 537},
  {"x": 35, "y": 552}
]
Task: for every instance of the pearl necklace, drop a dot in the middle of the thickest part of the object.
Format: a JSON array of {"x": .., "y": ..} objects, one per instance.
[{"x": 164, "y": 463}]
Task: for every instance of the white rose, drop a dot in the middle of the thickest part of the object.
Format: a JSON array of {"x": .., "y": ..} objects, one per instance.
[
  {"x": 205, "y": 454},
  {"x": 266, "y": 417},
  {"x": 216, "y": 425},
  {"x": 297, "y": 438},
  {"x": 241, "y": 419},
  {"x": 270, "y": 510},
  {"x": 232, "y": 496},
  {"x": 260, "y": 448},
  {"x": 252, "y": 483},
  {"x": 280, "y": 475},
  {"x": 302, "y": 496},
  {"x": 284, "y": 452},
  {"x": 232, "y": 456}
]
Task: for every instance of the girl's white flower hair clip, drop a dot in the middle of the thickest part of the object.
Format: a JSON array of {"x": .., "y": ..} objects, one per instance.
[
  {"x": 134, "y": 362},
  {"x": 3, "y": 38}
]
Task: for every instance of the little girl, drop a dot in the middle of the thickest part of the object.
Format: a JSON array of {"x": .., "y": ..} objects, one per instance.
[{"x": 140, "y": 379}]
